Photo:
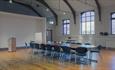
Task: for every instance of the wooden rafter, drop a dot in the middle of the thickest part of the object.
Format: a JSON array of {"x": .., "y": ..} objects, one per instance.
[
  {"x": 46, "y": 5},
  {"x": 72, "y": 10}
]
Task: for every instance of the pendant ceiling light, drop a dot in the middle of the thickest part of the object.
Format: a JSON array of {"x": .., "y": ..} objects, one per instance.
[
  {"x": 63, "y": 12},
  {"x": 10, "y": 1}
]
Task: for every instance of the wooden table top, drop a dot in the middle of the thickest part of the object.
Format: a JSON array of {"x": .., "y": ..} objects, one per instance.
[{"x": 86, "y": 46}]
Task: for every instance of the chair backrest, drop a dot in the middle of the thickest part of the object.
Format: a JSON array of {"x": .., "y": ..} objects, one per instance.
[
  {"x": 49, "y": 47},
  {"x": 37, "y": 46},
  {"x": 43, "y": 46},
  {"x": 56, "y": 48},
  {"x": 87, "y": 43},
  {"x": 99, "y": 47},
  {"x": 79, "y": 43},
  {"x": 66, "y": 49},
  {"x": 26, "y": 44},
  {"x": 81, "y": 50},
  {"x": 32, "y": 45}
]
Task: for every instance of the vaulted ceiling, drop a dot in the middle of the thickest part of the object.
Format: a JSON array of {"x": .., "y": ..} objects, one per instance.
[
  {"x": 60, "y": 6},
  {"x": 53, "y": 8},
  {"x": 107, "y": 3}
]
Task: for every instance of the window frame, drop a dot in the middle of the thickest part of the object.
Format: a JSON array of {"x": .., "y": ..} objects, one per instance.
[
  {"x": 81, "y": 21},
  {"x": 65, "y": 33}
]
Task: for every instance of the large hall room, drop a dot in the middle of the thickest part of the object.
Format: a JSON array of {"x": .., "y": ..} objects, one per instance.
[{"x": 57, "y": 34}]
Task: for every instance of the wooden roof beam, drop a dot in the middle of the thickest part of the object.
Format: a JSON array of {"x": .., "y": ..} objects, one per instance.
[
  {"x": 99, "y": 9},
  {"x": 28, "y": 6},
  {"x": 53, "y": 12},
  {"x": 72, "y": 10}
]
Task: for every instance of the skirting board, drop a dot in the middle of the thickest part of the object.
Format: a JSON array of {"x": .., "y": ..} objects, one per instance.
[{"x": 22, "y": 47}]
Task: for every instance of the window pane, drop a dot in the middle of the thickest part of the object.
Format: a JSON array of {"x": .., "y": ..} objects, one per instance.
[
  {"x": 83, "y": 15},
  {"x": 113, "y": 15},
  {"x": 92, "y": 28},
  {"x": 88, "y": 14},
  {"x": 88, "y": 27},
  {"x": 68, "y": 21},
  {"x": 64, "y": 26},
  {"x": 113, "y": 28},
  {"x": 92, "y": 13},
  {"x": 83, "y": 19},
  {"x": 68, "y": 32},
  {"x": 68, "y": 28},
  {"x": 113, "y": 21},
  {"x": 92, "y": 18},
  {"x": 88, "y": 19},
  {"x": 64, "y": 30},
  {"x": 65, "y": 21},
  {"x": 83, "y": 28}
]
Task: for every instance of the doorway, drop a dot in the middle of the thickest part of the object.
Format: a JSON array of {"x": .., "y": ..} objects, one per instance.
[{"x": 49, "y": 35}]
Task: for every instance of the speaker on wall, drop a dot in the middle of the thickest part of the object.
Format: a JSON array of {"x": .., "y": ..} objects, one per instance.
[{"x": 104, "y": 33}]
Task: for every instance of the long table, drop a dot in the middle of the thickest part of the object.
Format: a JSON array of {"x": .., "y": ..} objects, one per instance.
[
  {"x": 74, "y": 46},
  {"x": 86, "y": 46},
  {"x": 89, "y": 47}
]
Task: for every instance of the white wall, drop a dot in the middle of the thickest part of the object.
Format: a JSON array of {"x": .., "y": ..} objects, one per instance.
[
  {"x": 20, "y": 26},
  {"x": 103, "y": 26}
]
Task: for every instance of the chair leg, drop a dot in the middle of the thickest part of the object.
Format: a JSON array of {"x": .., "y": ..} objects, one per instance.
[
  {"x": 75, "y": 58},
  {"x": 100, "y": 55},
  {"x": 91, "y": 55},
  {"x": 69, "y": 57},
  {"x": 60, "y": 56}
]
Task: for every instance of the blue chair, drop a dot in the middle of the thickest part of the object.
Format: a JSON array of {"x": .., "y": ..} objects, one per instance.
[
  {"x": 26, "y": 45},
  {"x": 32, "y": 46},
  {"x": 43, "y": 48},
  {"x": 96, "y": 50},
  {"x": 79, "y": 43},
  {"x": 66, "y": 52},
  {"x": 81, "y": 53},
  {"x": 87, "y": 43}
]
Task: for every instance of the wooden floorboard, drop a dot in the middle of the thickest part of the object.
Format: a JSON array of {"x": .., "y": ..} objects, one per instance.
[{"x": 23, "y": 59}]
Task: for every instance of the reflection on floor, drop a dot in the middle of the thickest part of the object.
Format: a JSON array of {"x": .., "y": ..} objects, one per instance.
[{"x": 25, "y": 60}]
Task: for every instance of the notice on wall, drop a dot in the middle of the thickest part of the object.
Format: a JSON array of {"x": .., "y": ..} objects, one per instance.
[{"x": 38, "y": 37}]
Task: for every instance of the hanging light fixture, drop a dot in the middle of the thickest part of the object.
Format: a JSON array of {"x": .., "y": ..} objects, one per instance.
[
  {"x": 64, "y": 13},
  {"x": 51, "y": 22},
  {"x": 47, "y": 9},
  {"x": 59, "y": 6},
  {"x": 61, "y": 11},
  {"x": 10, "y": 1}
]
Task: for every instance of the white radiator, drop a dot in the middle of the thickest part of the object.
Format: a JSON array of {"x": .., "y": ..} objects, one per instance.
[{"x": 110, "y": 43}]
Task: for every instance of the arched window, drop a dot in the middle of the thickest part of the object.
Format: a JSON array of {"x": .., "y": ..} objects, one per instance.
[
  {"x": 113, "y": 23},
  {"x": 87, "y": 25}
]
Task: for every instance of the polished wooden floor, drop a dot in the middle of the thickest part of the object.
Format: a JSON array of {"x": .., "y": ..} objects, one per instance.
[{"x": 24, "y": 60}]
